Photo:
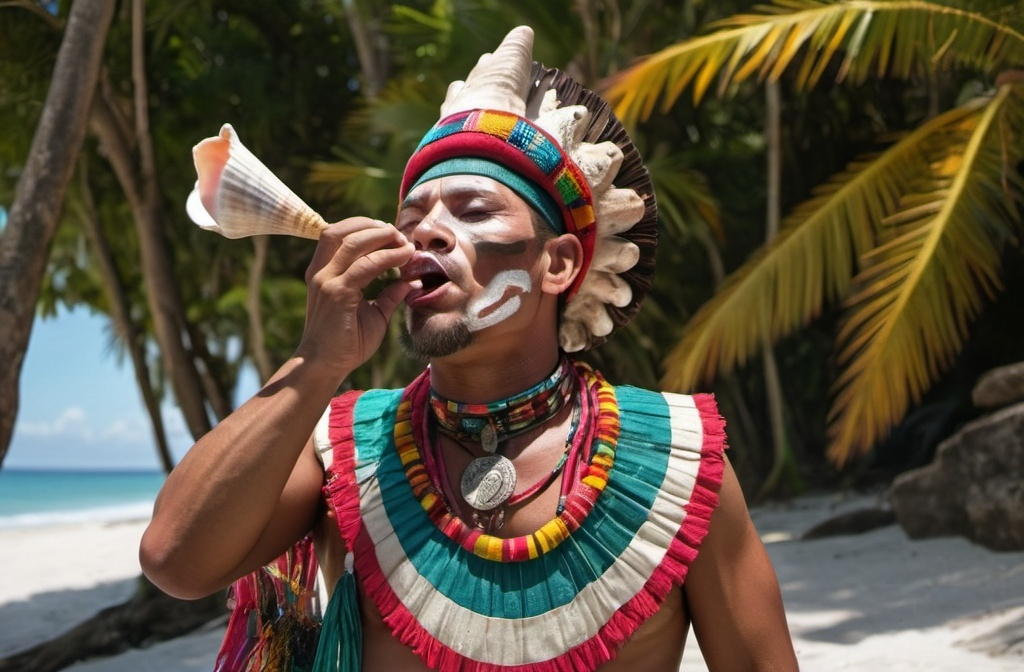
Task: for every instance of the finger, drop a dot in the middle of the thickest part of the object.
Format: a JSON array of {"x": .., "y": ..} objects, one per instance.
[
  {"x": 368, "y": 267},
  {"x": 361, "y": 243},
  {"x": 389, "y": 298},
  {"x": 333, "y": 238}
]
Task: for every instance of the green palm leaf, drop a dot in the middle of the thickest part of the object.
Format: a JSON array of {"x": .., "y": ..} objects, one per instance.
[
  {"x": 909, "y": 312},
  {"x": 875, "y": 37},
  {"x": 812, "y": 261}
]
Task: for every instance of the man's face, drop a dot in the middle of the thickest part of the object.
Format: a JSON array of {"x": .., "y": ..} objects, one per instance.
[{"x": 477, "y": 255}]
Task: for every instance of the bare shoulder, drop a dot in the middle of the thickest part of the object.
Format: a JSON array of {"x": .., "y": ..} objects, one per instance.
[{"x": 733, "y": 595}]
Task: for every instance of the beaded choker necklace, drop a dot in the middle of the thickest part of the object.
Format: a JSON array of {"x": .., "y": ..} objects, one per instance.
[
  {"x": 585, "y": 477},
  {"x": 493, "y": 423}
]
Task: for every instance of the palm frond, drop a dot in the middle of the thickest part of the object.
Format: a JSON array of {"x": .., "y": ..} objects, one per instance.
[
  {"x": 358, "y": 182},
  {"x": 685, "y": 201},
  {"x": 812, "y": 261},
  {"x": 872, "y": 37},
  {"x": 403, "y": 111},
  {"x": 910, "y": 308}
]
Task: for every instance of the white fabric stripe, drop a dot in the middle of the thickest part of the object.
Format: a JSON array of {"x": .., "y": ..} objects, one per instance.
[
  {"x": 554, "y": 632},
  {"x": 322, "y": 440}
]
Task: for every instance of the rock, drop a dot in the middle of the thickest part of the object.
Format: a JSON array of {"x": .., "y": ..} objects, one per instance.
[
  {"x": 974, "y": 487},
  {"x": 1000, "y": 387},
  {"x": 851, "y": 522}
]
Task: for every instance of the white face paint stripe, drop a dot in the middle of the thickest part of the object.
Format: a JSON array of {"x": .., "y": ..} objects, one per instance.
[{"x": 493, "y": 294}]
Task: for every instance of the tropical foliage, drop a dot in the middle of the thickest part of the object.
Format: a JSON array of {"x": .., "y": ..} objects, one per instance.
[
  {"x": 332, "y": 96},
  {"x": 907, "y": 240}
]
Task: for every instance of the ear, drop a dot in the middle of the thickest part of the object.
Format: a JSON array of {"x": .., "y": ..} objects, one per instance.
[{"x": 564, "y": 258}]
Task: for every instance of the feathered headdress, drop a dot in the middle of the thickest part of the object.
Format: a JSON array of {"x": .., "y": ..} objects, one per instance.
[{"x": 583, "y": 174}]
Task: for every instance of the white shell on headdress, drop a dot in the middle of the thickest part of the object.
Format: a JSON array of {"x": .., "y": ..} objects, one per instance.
[
  {"x": 248, "y": 199},
  {"x": 500, "y": 81}
]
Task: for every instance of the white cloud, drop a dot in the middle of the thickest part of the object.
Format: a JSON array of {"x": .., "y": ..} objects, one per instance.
[
  {"x": 71, "y": 422},
  {"x": 74, "y": 439},
  {"x": 78, "y": 436},
  {"x": 127, "y": 431}
]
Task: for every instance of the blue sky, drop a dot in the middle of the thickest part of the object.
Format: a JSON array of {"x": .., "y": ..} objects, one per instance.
[{"x": 80, "y": 407}]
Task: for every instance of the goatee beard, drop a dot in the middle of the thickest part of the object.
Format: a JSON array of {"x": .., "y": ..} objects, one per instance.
[{"x": 429, "y": 343}]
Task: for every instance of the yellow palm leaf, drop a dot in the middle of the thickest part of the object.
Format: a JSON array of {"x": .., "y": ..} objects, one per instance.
[
  {"x": 874, "y": 36},
  {"x": 908, "y": 313},
  {"x": 811, "y": 261}
]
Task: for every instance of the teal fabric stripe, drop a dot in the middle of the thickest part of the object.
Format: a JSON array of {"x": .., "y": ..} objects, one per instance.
[
  {"x": 530, "y": 192},
  {"x": 373, "y": 427},
  {"x": 442, "y": 130},
  {"x": 532, "y": 587}
]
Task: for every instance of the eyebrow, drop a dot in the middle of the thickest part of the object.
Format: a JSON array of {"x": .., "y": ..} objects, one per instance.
[
  {"x": 459, "y": 192},
  {"x": 413, "y": 201},
  {"x": 464, "y": 191}
]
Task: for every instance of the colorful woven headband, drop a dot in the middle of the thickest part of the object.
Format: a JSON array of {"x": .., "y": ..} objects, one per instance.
[{"x": 515, "y": 148}]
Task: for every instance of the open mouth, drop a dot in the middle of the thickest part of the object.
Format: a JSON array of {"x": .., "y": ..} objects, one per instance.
[
  {"x": 430, "y": 273},
  {"x": 432, "y": 281}
]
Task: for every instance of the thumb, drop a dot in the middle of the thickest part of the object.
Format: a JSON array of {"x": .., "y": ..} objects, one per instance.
[{"x": 389, "y": 298}]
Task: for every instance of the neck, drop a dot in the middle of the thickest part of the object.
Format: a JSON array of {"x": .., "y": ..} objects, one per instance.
[{"x": 486, "y": 377}]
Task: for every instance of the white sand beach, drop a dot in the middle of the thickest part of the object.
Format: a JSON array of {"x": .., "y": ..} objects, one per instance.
[{"x": 874, "y": 601}]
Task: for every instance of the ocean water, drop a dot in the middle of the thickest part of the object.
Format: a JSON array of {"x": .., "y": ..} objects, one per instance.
[{"x": 31, "y": 498}]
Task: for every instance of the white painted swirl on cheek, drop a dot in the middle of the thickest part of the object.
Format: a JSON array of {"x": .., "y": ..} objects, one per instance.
[{"x": 490, "y": 301}]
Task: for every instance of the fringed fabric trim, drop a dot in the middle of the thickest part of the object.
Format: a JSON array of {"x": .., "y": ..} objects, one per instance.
[
  {"x": 437, "y": 598},
  {"x": 275, "y": 617},
  {"x": 341, "y": 488}
]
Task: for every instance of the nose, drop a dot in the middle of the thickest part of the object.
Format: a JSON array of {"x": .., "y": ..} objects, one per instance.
[{"x": 432, "y": 234}]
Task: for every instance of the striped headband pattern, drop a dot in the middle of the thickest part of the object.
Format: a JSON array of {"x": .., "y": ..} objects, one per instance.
[{"x": 514, "y": 142}]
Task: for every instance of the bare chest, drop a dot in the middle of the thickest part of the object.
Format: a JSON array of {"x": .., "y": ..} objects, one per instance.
[{"x": 657, "y": 645}]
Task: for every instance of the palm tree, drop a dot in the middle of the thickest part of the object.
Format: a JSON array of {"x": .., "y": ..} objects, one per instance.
[{"x": 907, "y": 241}]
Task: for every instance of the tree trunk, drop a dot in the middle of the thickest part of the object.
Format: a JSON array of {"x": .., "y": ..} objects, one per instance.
[
  {"x": 149, "y": 616},
  {"x": 216, "y": 397},
  {"x": 772, "y": 384},
  {"x": 39, "y": 195},
  {"x": 138, "y": 180},
  {"x": 365, "y": 41},
  {"x": 119, "y": 314},
  {"x": 257, "y": 335},
  {"x": 746, "y": 419}
]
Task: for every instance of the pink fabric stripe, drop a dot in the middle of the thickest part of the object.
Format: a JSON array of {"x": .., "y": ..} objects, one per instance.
[{"x": 341, "y": 487}]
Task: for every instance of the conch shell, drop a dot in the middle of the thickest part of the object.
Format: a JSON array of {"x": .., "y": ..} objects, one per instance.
[
  {"x": 237, "y": 196},
  {"x": 495, "y": 82}
]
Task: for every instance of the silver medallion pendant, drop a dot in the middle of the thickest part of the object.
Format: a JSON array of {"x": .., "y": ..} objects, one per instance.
[{"x": 488, "y": 481}]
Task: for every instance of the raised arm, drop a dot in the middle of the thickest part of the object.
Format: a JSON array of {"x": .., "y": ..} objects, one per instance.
[
  {"x": 250, "y": 488},
  {"x": 733, "y": 595}
]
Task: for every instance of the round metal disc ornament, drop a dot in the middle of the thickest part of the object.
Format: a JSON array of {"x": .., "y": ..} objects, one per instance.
[{"x": 488, "y": 482}]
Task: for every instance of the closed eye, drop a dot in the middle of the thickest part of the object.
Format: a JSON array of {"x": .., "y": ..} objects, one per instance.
[{"x": 472, "y": 216}]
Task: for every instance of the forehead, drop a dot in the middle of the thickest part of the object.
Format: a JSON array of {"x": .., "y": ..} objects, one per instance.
[{"x": 455, "y": 187}]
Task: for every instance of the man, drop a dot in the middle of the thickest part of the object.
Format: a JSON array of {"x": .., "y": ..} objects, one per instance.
[{"x": 510, "y": 509}]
